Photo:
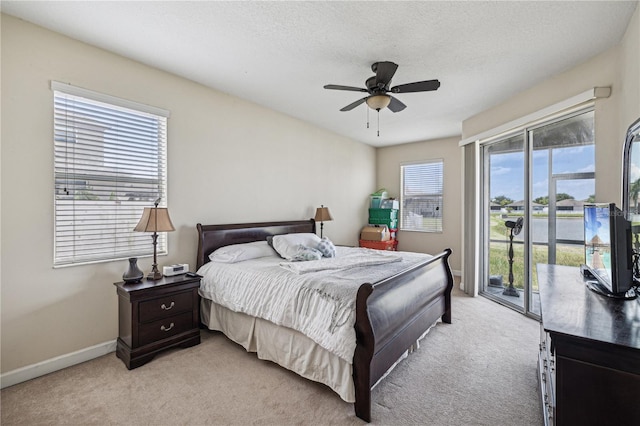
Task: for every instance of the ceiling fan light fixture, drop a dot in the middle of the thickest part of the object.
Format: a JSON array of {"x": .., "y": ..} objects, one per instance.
[
  {"x": 378, "y": 102},
  {"x": 377, "y": 87}
]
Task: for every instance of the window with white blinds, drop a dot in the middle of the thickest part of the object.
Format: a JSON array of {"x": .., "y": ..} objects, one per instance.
[
  {"x": 110, "y": 162},
  {"x": 421, "y": 198}
]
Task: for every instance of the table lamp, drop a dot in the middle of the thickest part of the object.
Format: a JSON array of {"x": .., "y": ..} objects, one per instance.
[
  {"x": 155, "y": 219},
  {"x": 322, "y": 215}
]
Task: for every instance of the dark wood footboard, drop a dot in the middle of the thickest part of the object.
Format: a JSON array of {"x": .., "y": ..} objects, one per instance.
[{"x": 391, "y": 315}]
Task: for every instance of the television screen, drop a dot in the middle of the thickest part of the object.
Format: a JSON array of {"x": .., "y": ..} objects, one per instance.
[
  {"x": 607, "y": 247},
  {"x": 597, "y": 237}
]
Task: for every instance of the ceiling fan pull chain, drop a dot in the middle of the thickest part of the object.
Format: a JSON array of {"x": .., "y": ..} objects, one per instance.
[
  {"x": 367, "y": 118},
  {"x": 378, "y": 123}
]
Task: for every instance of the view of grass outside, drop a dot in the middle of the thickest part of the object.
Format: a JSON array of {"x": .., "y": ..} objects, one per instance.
[
  {"x": 566, "y": 254},
  {"x": 432, "y": 222}
]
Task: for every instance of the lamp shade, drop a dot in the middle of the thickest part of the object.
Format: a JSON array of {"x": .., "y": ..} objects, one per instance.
[
  {"x": 322, "y": 214},
  {"x": 150, "y": 223},
  {"x": 378, "y": 102}
]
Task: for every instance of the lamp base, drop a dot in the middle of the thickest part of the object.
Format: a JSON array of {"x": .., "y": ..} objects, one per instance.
[
  {"x": 154, "y": 275},
  {"x": 510, "y": 291}
]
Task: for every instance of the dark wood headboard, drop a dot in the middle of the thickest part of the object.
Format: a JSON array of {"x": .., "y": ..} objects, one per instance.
[{"x": 212, "y": 237}]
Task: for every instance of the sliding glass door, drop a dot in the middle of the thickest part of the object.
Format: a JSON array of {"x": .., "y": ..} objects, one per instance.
[
  {"x": 535, "y": 182},
  {"x": 504, "y": 171}
]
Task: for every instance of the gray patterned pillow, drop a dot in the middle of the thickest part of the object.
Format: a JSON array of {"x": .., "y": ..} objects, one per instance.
[
  {"x": 326, "y": 247},
  {"x": 304, "y": 253}
]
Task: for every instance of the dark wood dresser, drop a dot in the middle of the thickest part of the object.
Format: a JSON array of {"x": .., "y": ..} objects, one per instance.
[
  {"x": 156, "y": 315},
  {"x": 589, "y": 360}
]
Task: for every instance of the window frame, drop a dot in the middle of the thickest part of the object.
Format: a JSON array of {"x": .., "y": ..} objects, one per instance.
[
  {"x": 439, "y": 228},
  {"x": 113, "y": 165}
]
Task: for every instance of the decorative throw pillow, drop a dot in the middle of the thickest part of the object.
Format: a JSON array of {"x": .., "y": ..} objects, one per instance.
[
  {"x": 326, "y": 247},
  {"x": 287, "y": 244},
  {"x": 304, "y": 253}
]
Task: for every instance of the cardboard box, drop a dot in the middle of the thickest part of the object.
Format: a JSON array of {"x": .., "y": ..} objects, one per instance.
[{"x": 375, "y": 233}]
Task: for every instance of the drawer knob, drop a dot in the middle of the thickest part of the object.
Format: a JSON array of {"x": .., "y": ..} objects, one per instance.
[
  {"x": 163, "y": 328},
  {"x": 166, "y": 308}
]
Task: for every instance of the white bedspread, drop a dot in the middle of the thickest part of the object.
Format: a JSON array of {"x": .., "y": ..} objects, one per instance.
[
  {"x": 319, "y": 304},
  {"x": 349, "y": 260}
]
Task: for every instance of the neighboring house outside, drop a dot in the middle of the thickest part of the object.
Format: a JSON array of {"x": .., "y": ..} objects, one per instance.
[
  {"x": 565, "y": 206},
  {"x": 495, "y": 207},
  {"x": 519, "y": 206},
  {"x": 570, "y": 205}
]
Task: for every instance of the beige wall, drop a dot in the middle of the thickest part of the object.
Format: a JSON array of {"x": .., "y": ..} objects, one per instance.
[
  {"x": 618, "y": 68},
  {"x": 630, "y": 72},
  {"x": 229, "y": 161},
  {"x": 388, "y": 163},
  {"x": 599, "y": 71}
]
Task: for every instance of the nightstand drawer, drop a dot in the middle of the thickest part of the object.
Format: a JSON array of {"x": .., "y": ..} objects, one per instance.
[
  {"x": 167, "y": 306},
  {"x": 165, "y": 328}
]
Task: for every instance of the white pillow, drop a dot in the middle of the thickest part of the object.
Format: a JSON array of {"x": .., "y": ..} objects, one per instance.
[
  {"x": 287, "y": 245},
  {"x": 239, "y": 252}
]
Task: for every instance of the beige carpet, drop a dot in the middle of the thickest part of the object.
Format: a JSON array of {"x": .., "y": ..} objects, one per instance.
[{"x": 480, "y": 370}]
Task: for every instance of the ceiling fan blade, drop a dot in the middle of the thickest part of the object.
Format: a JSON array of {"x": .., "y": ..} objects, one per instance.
[
  {"x": 351, "y": 88},
  {"x": 384, "y": 73},
  {"x": 418, "y": 86},
  {"x": 355, "y": 104},
  {"x": 395, "y": 105}
]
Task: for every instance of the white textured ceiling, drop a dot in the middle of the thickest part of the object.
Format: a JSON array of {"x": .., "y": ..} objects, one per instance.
[{"x": 281, "y": 54}]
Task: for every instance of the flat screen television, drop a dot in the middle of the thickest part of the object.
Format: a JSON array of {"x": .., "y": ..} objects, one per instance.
[{"x": 608, "y": 251}]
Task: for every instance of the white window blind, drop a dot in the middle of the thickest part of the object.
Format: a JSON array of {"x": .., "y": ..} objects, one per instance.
[
  {"x": 110, "y": 163},
  {"x": 421, "y": 198}
]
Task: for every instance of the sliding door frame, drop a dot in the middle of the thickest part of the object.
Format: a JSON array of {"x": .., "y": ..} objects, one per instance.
[
  {"x": 484, "y": 203},
  {"x": 527, "y": 132}
]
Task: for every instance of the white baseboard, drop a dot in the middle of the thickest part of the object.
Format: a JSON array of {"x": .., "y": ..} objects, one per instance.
[
  {"x": 54, "y": 364},
  {"x": 458, "y": 274}
]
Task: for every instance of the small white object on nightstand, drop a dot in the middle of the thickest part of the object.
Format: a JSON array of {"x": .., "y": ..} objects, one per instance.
[{"x": 171, "y": 270}]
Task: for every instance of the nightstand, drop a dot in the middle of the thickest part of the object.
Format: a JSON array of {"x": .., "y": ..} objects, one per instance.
[{"x": 156, "y": 315}]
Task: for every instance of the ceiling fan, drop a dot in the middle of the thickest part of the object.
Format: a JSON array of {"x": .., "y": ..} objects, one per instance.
[{"x": 378, "y": 88}]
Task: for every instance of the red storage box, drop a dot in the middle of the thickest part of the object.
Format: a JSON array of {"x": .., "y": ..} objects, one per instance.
[{"x": 391, "y": 245}]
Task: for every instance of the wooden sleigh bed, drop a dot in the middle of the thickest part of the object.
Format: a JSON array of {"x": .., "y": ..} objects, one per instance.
[{"x": 391, "y": 314}]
